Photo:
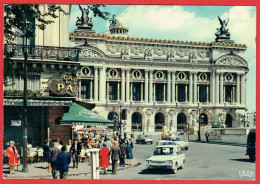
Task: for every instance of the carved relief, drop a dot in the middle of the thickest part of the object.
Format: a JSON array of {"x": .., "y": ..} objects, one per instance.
[
  {"x": 221, "y": 118},
  {"x": 113, "y": 73},
  {"x": 159, "y": 51},
  {"x": 125, "y": 53},
  {"x": 181, "y": 76},
  {"x": 170, "y": 55},
  {"x": 181, "y": 53},
  {"x": 136, "y": 74},
  {"x": 159, "y": 75},
  {"x": 86, "y": 71},
  {"x": 137, "y": 50},
  {"x": 202, "y": 54},
  {"x": 89, "y": 53},
  {"x": 230, "y": 61},
  {"x": 148, "y": 54},
  {"x": 229, "y": 77},
  {"x": 112, "y": 49}
]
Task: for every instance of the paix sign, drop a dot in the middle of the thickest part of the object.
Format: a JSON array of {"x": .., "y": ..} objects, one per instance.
[{"x": 63, "y": 84}]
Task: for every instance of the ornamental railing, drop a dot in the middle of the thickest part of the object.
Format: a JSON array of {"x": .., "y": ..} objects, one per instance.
[{"x": 44, "y": 52}]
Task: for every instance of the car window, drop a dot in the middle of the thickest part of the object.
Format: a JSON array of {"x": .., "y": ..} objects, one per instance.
[
  {"x": 164, "y": 151},
  {"x": 167, "y": 143}
]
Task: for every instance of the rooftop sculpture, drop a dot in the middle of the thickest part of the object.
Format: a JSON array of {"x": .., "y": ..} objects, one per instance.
[
  {"x": 222, "y": 32},
  {"x": 84, "y": 21}
]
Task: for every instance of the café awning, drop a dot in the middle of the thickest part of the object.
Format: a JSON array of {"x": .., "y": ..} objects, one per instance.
[
  {"x": 32, "y": 102},
  {"x": 79, "y": 115}
]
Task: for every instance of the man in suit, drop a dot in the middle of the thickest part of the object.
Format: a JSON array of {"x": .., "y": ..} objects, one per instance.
[
  {"x": 75, "y": 150},
  {"x": 53, "y": 157},
  {"x": 122, "y": 153},
  {"x": 62, "y": 163},
  {"x": 115, "y": 155}
]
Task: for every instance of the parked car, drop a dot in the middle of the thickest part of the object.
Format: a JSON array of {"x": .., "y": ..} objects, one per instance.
[
  {"x": 166, "y": 157},
  {"x": 164, "y": 143},
  {"x": 250, "y": 150},
  {"x": 144, "y": 139},
  {"x": 183, "y": 144}
]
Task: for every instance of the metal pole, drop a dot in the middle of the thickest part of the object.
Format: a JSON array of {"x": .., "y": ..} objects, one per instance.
[
  {"x": 120, "y": 121},
  {"x": 25, "y": 169},
  {"x": 199, "y": 121}
]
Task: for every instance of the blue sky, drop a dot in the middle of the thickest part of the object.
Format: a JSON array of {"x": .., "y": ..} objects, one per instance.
[{"x": 186, "y": 23}]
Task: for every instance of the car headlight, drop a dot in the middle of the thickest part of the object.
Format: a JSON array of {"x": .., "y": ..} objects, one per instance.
[
  {"x": 170, "y": 162},
  {"x": 148, "y": 162}
]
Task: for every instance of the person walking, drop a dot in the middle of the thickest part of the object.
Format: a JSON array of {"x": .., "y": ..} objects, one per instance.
[
  {"x": 122, "y": 153},
  {"x": 104, "y": 158},
  {"x": 207, "y": 135},
  {"x": 62, "y": 163},
  {"x": 115, "y": 155},
  {"x": 129, "y": 153},
  {"x": 46, "y": 153},
  {"x": 75, "y": 152},
  {"x": 11, "y": 153},
  {"x": 54, "y": 151}
]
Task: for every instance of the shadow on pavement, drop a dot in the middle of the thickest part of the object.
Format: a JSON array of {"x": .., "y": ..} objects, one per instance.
[
  {"x": 156, "y": 171},
  {"x": 242, "y": 160}
]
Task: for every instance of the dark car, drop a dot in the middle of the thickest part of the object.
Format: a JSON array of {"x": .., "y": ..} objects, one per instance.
[
  {"x": 250, "y": 150},
  {"x": 144, "y": 139}
]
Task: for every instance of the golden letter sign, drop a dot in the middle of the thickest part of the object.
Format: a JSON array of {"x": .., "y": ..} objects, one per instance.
[{"x": 64, "y": 84}]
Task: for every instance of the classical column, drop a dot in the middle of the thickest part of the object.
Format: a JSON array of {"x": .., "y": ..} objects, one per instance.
[
  {"x": 95, "y": 83},
  {"x": 221, "y": 89},
  {"x": 207, "y": 94},
  {"x": 224, "y": 96},
  {"x": 195, "y": 88},
  {"x": 176, "y": 96},
  {"x": 164, "y": 92},
  {"x": 127, "y": 84},
  {"x": 123, "y": 85},
  {"x": 168, "y": 87},
  {"x": 198, "y": 96},
  {"x": 190, "y": 87},
  {"x": 91, "y": 90},
  {"x": 154, "y": 92},
  {"x": 173, "y": 87},
  {"x": 233, "y": 96},
  {"x": 146, "y": 87},
  {"x": 102, "y": 84},
  {"x": 151, "y": 87},
  {"x": 186, "y": 92},
  {"x": 131, "y": 91},
  {"x": 142, "y": 91},
  {"x": 107, "y": 92},
  {"x": 79, "y": 90},
  {"x": 243, "y": 89},
  {"x": 212, "y": 87},
  {"x": 217, "y": 88},
  {"x": 118, "y": 91},
  {"x": 238, "y": 89}
]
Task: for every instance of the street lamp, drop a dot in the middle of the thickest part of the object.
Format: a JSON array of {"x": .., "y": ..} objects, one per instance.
[
  {"x": 26, "y": 34},
  {"x": 199, "y": 107}
]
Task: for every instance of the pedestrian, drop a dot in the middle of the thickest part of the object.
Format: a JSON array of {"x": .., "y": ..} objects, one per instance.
[
  {"x": 11, "y": 153},
  {"x": 207, "y": 135},
  {"x": 62, "y": 163},
  {"x": 54, "y": 151},
  {"x": 18, "y": 147},
  {"x": 122, "y": 153},
  {"x": 68, "y": 146},
  {"x": 115, "y": 155},
  {"x": 100, "y": 144},
  {"x": 90, "y": 143},
  {"x": 109, "y": 145},
  {"x": 75, "y": 152},
  {"x": 129, "y": 152},
  {"x": 104, "y": 158},
  {"x": 59, "y": 141},
  {"x": 46, "y": 153}
]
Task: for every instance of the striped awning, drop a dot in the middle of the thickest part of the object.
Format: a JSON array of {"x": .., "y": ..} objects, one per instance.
[{"x": 31, "y": 102}]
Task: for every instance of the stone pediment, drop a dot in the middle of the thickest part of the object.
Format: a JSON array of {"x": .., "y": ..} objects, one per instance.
[
  {"x": 90, "y": 52},
  {"x": 231, "y": 59}
]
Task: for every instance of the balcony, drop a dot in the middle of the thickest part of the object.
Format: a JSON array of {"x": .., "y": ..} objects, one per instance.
[{"x": 44, "y": 52}]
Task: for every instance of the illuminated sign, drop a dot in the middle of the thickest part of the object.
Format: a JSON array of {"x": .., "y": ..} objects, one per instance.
[{"x": 64, "y": 84}]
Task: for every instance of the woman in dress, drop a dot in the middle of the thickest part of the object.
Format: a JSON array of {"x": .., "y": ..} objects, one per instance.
[
  {"x": 104, "y": 158},
  {"x": 11, "y": 153},
  {"x": 46, "y": 153},
  {"x": 129, "y": 152}
]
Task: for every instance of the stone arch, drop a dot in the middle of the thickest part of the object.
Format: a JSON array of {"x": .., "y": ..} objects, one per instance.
[
  {"x": 137, "y": 121},
  {"x": 230, "y": 120},
  {"x": 90, "y": 52},
  {"x": 113, "y": 116},
  {"x": 159, "y": 121},
  {"x": 231, "y": 59},
  {"x": 181, "y": 121},
  {"x": 204, "y": 119}
]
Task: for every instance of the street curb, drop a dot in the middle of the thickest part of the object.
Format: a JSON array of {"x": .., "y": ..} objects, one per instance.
[{"x": 5, "y": 176}]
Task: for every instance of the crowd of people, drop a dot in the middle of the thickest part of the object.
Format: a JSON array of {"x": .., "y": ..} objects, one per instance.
[{"x": 114, "y": 150}]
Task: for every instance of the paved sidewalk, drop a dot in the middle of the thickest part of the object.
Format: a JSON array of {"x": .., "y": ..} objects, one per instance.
[{"x": 36, "y": 171}]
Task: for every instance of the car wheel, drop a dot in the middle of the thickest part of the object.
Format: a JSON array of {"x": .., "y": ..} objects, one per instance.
[
  {"x": 137, "y": 142},
  {"x": 182, "y": 167},
  {"x": 252, "y": 158},
  {"x": 175, "y": 169},
  {"x": 152, "y": 142},
  {"x": 187, "y": 148}
]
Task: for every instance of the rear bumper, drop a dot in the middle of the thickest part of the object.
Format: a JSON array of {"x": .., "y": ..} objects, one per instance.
[{"x": 159, "y": 167}]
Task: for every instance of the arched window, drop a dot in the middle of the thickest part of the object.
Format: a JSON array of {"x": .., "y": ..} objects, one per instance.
[
  {"x": 181, "y": 121},
  {"x": 159, "y": 120},
  {"x": 136, "y": 121}
]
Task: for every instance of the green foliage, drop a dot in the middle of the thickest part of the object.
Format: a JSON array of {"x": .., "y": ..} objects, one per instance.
[{"x": 16, "y": 93}]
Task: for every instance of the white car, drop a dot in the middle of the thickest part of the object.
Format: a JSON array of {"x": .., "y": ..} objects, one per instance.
[
  {"x": 164, "y": 143},
  {"x": 166, "y": 157},
  {"x": 183, "y": 144},
  {"x": 144, "y": 139}
]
